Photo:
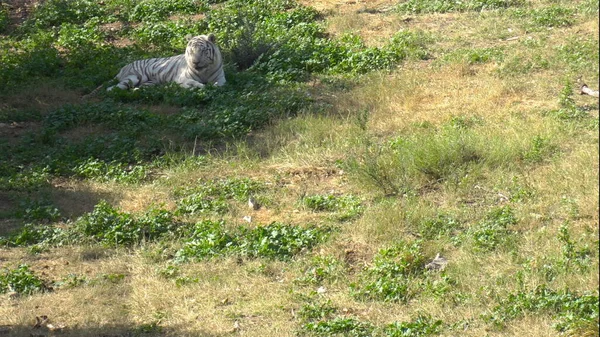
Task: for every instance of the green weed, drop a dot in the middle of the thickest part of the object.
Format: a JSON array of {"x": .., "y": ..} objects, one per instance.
[
  {"x": 575, "y": 313},
  {"x": 156, "y": 10},
  {"x": 107, "y": 225},
  {"x": 571, "y": 254},
  {"x": 4, "y": 17},
  {"x": 21, "y": 280},
  {"x": 322, "y": 269},
  {"x": 348, "y": 207},
  {"x": 276, "y": 240},
  {"x": 422, "y": 325},
  {"x": 391, "y": 276},
  {"x": 213, "y": 196},
  {"x": 493, "y": 231},
  {"x": 340, "y": 326},
  {"x": 552, "y": 16},
  {"x": 71, "y": 281},
  {"x": 443, "y": 6},
  {"x": 435, "y": 228}
]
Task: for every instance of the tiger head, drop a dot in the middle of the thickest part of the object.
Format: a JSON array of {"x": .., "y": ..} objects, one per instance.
[{"x": 202, "y": 52}]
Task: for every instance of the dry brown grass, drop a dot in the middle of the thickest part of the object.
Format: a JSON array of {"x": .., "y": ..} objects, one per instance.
[{"x": 232, "y": 296}]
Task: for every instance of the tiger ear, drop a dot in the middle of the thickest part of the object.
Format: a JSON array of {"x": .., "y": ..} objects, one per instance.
[
  {"x": 212, "y": 38},
  {"x": 188, "y": 37}
]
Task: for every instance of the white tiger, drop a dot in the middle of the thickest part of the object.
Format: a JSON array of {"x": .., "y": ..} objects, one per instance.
[{"x": 201, "y": 64}]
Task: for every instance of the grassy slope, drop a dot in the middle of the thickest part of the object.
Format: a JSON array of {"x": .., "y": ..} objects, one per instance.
[{"x": 499, "y": 91}]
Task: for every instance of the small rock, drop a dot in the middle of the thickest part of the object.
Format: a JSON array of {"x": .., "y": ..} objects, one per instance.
[
  {"x": 439, "y": 263},
  {"x": 247, "y": 218},
  {"x": 253, "y": 204}
]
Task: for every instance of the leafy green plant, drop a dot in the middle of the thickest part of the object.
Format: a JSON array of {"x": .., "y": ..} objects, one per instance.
[
  {"x": 107, "y": 225},
  {"x": 340, "y": 326},
  {"x": 575, "y": 313},
  {"x": 38, "y": 210},
  {"x": 212, "y": 196},
  {"x": 55, "y": 12},
  {"x": 540, "y": 149},
  {"x": 443, "y": 6},
  {"x": 21, "y": 280},
  {"x": 276, "y": 241},
  {"x": 421, "y": 326},
  {"x": 156, "y": 10},
  {"x": 434, "y": 228},
  {"x": 571, "y": 254},
  {"x": 71, "y": 281},
  {"x": 391, "y": 276},
  {"x": 206, "y": 239},
  {"x": 322, "y": 269},
  {"x": 114, "y": 171},
  {"x": 347, "y": 206},
  {"x": 31, "y": 234},
  {"x": 493, "y": 231},
  {"x": 279, "y": 241}
]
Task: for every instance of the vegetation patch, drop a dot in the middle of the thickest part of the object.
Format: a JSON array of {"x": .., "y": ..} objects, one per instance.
[
  {"x": 443, "y": 6},
  {"x": 394, "y": 275},
  {"x": 21, "y": 280},
  {"x": 213, "y": 196},
  {"x": 575, "y": 314},
  {"x": 276, "y": 241}
]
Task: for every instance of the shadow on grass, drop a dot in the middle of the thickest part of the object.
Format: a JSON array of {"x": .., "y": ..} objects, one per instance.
[{"x": 147, "y": 330}]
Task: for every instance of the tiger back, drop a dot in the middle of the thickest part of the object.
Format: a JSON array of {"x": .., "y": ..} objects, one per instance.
[{"x": 201, "y": 64}]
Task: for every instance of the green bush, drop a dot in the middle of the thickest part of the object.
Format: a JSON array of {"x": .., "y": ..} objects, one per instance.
[{"x": 21, "y": 280}]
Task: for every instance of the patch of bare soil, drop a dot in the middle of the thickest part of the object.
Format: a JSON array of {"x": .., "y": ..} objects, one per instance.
[{"x": 19, "y": 10}]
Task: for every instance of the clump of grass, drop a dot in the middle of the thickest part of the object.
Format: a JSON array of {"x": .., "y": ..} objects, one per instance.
[
  {"x": 552, "y": 16},
  {"x": 476, "y": 56},
  {"x": 407, "y": 162},
  {"x": 21, "y": 280}
]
